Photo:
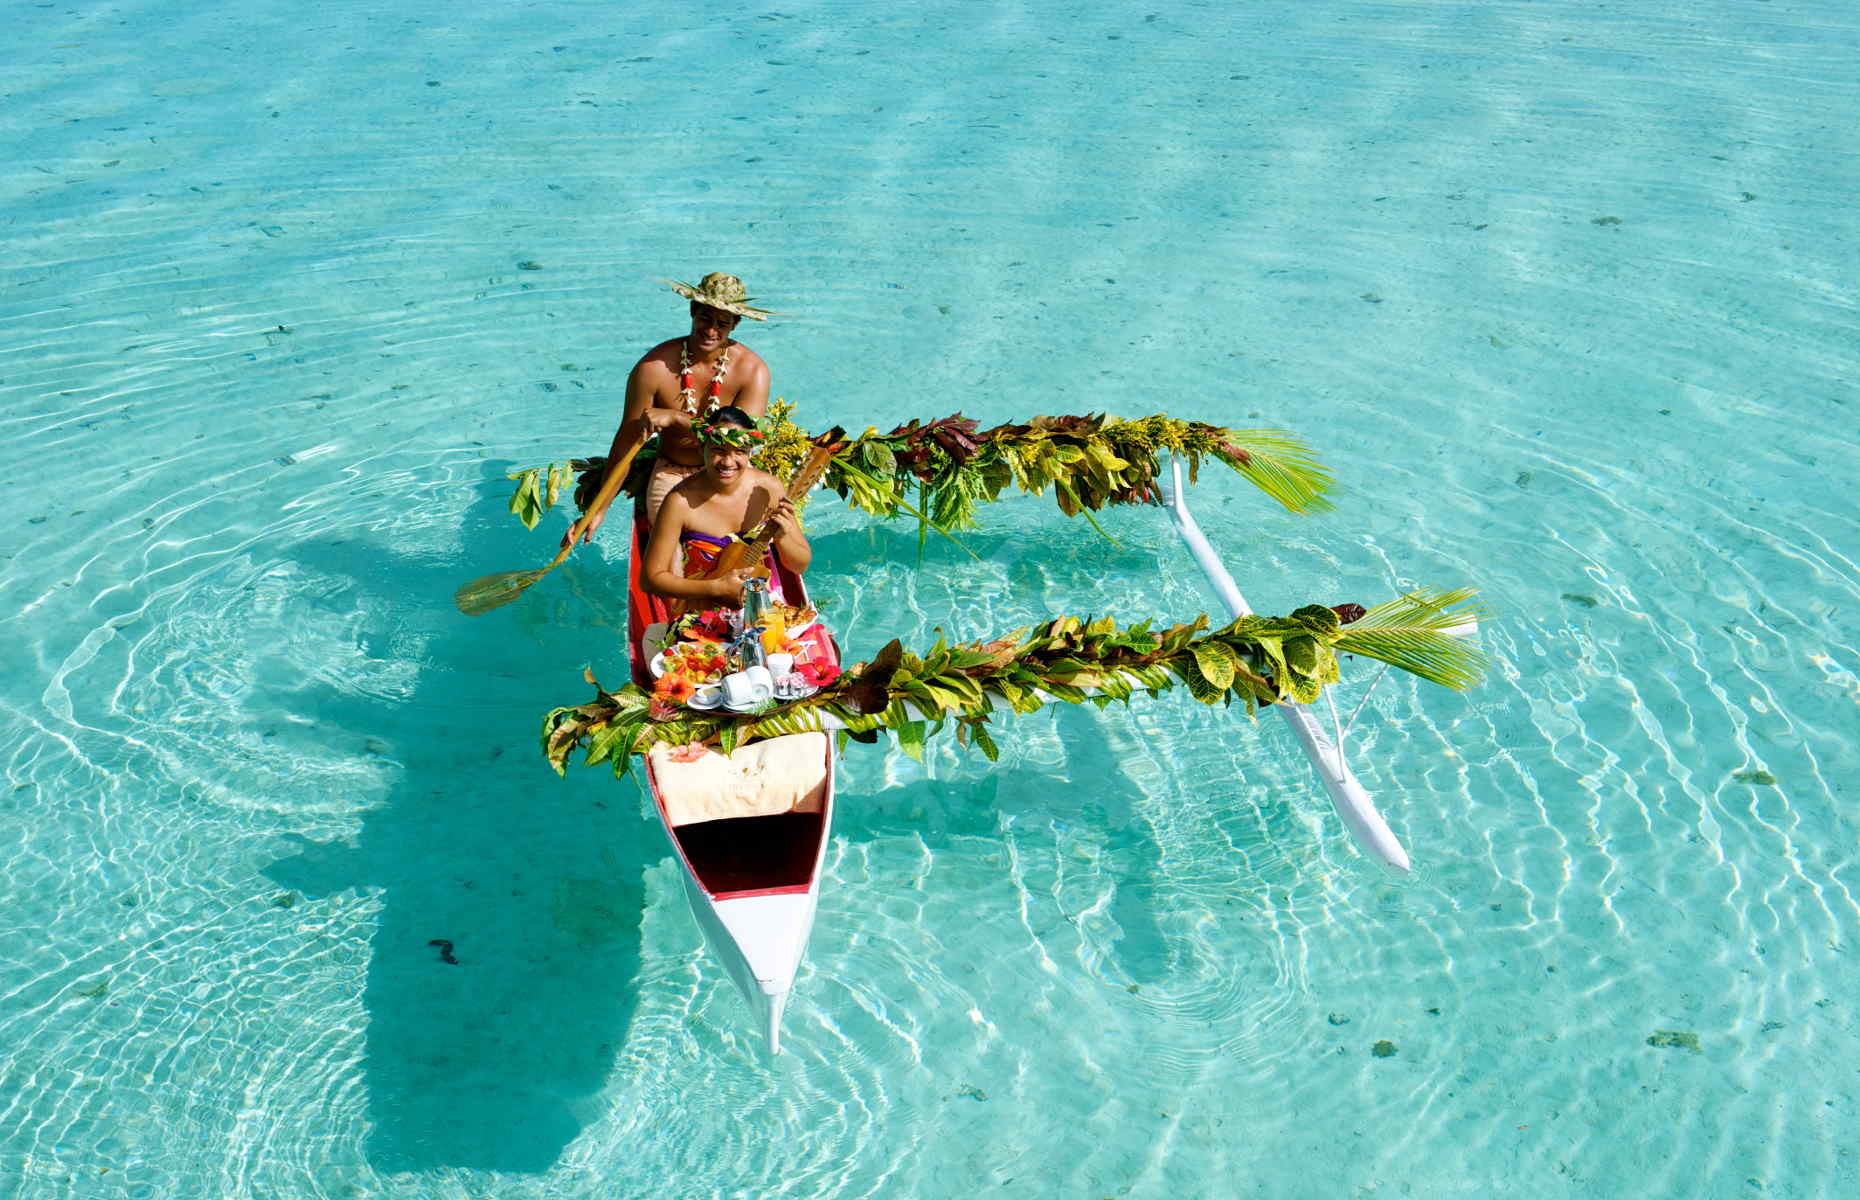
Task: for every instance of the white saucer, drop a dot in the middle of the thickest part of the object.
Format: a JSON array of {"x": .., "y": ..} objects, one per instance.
[{"x": 704, "y": 706}]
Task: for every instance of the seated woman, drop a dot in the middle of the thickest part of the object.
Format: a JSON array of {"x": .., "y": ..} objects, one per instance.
[{"x": 704, "y": 513}]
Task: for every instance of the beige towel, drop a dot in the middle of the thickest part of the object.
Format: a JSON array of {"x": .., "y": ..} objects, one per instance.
[{"x": 784, "y": 774}]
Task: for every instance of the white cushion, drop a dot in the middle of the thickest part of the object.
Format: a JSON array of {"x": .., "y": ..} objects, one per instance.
[{"x": 784, "y": 774}]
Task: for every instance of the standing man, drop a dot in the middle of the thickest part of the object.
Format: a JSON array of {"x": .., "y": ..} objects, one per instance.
[{"x": 679, "y": 381}]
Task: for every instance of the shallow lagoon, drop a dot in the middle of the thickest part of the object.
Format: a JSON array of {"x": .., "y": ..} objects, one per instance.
[{"x": 1559, "y": 292}]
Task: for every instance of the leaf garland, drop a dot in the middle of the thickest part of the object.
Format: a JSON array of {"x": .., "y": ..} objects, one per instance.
[
  {"x": 539, "y": 488},
  {"x": 527, "y": 501},
  {"x": 1087, "y": 462},
  {"x": 1257, "y": 660},
  {"x": 953, "y": 467}
]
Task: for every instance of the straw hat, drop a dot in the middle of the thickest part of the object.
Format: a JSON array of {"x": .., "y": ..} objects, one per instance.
[{"x": 717, "y": 290}]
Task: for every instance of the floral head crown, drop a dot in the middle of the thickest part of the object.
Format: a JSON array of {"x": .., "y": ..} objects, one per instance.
[{"x": 712, "y": 432}]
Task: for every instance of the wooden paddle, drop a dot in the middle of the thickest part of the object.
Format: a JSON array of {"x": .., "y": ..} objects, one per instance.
[
  {"x": 480, "y": 596},
  {"x": 741, "y": 553}
]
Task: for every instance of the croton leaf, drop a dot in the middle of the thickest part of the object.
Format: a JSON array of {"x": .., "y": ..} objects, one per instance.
[
  {"x": 911, "y": 738},
  {"x": 1216, "y": 663}
]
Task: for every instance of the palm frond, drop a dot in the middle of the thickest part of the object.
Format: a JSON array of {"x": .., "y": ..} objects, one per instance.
[
  {"x": 1423, "y": 634},
  {"x": 787, "y": 720},
  {"x": 1283, "y": 467}
]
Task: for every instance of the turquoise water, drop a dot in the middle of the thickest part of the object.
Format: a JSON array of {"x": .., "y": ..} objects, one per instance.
[{"x": 1562, "y": 292}]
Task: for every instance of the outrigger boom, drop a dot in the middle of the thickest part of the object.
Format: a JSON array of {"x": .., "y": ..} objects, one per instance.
[{"x": 1352, "y": 801}]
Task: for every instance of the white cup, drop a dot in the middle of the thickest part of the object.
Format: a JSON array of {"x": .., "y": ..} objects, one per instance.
[
  {"x": 780, "y": 664},
  {"x": 706, "y": 695},
  {"x": 745, "y": 688}
]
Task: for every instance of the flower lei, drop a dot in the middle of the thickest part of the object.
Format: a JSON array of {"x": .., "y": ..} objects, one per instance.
[{"x": 687, "y": 392}]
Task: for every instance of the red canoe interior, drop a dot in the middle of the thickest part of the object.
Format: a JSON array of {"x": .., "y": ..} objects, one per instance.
[
  {"x": 753, "y": 854},
  {"x": 643, "y": 609}
]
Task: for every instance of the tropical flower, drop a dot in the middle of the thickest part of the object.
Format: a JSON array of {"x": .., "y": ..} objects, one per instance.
[
  {"x": 675, "y": 689},
  {"x": 818, "y": 674},
  {"x": 689, "y": 752}
]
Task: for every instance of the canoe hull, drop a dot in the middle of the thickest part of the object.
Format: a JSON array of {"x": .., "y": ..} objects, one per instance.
[
  {"x": 753, "y": 883},
  {"x": 756, "y": 916},
  {"x": 760, "y": 943}
]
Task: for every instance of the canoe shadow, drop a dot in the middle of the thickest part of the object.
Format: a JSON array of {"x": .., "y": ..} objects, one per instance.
[
  {"x": 501, "y": 976},
  {"x": 500, "y": 979}
]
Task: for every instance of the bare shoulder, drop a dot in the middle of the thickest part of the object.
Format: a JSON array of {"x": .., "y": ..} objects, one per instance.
[
  {"x": 749, "y": 377},
  {"x": 662, "y": 357},
  {"x": 675, "y": 508},
  {"x": 755, "y": 369},
  {"x": 765, "y": 482},
  {"x": 655, "y": 375}
]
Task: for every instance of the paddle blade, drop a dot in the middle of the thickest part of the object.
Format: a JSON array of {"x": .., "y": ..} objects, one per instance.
[{"x": 480, "y": 596}]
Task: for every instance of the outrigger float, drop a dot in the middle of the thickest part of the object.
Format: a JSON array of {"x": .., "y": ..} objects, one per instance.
[
  {"x": 746, "y": 799},
  {"x": 1347, "y": 794}
]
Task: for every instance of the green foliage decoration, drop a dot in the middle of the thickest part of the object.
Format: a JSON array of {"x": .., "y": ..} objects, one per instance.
[
  {"x": 1256, "y": 660},
  {"x": 944, "y": 470},
  {"x": 527, "y": 501},
  {"x": 539, "y": 488},
  {"x": 784, "y": 444},
  {"x": 1086, "y": 462}
]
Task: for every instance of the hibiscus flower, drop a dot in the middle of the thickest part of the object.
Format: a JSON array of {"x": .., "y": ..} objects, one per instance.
[
  {"x": 819, "y": 674},
  {"x": 675, "y": 689},
  {"x": 689, "y": 752}
]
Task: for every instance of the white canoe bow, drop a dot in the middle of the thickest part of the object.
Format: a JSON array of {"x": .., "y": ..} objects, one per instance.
[{"x": 752, "y": 880}]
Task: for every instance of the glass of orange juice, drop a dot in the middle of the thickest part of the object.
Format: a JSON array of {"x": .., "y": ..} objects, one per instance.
[{"x": 775, "y": 632}]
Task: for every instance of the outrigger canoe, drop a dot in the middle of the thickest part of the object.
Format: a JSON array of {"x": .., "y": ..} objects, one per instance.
[{"x": 749, "y": 829}]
